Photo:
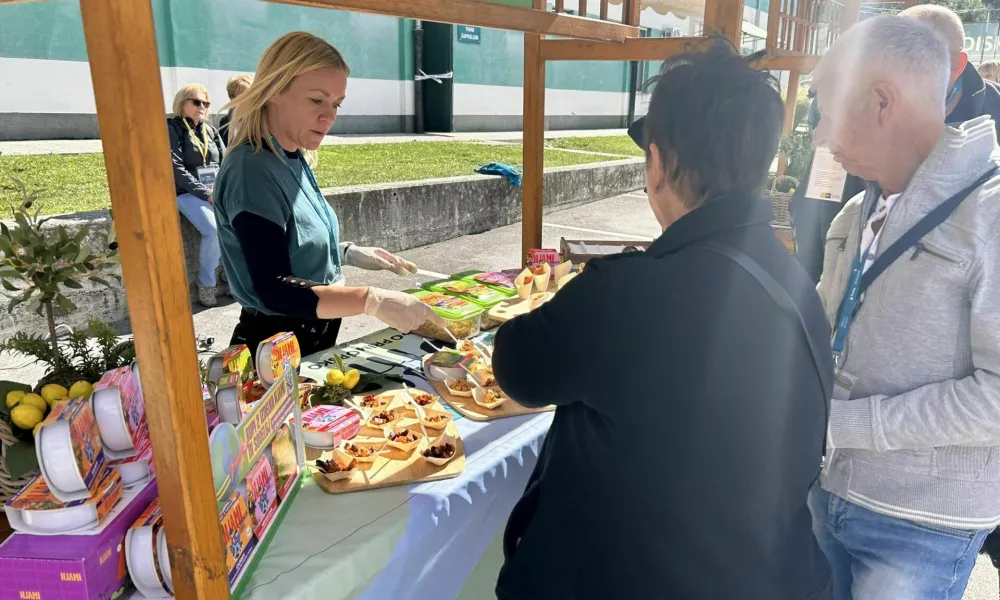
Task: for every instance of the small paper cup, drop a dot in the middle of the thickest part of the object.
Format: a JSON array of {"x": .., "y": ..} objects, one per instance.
[
  {"x": 380, "y": 426},
  {"x": 55, "y": 457},
  {"x": 442, "y": 419},
  {"x": 479, "y": 396},
  {"x": 420, "y": 398},
  {"x": 405, "y": 447},
  {"x": 110, "y": 415},
  {"x": 542, "y": 281},
  {"x": 479, "y": 378},
  {"x": 345, "y": 461},
  {"x": 562, "y": 269},
  {"x": 383, "y": 402},
  {"x": 444, "y": 439},
  {"x": 539, "y": 299},
  {"x": 360, "y": 459},
  {"x": 451, "y": 382},
  {"x": 523, "y": 284}
]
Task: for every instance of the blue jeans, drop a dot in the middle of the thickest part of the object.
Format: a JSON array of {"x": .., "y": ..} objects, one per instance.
[
  {"x": 878, "y": 557},
  {"x": 202, "y": 216}
]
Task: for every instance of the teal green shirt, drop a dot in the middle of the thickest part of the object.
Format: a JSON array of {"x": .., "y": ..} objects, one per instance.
[{"x": 263, "y": 184}]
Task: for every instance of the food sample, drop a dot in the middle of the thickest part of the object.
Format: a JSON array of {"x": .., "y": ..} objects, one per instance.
[
  {"x": 468, "y": 346},
  {"x": 463, "y": 318},
  {"x": 383, "y": 417},
  {"x": 461, "y": 385},
  {"x": 359, "y": 451},
  {"x": 372, "y": 401},
  {"x": 493, "y": 396},
  {"x": 424, "y": 399},
  {"x": 332, "y": 466},
  {"x": 445, "y": 450},
  {"x": 404, "y": 436},
  {"x": 436, "y": 418}
]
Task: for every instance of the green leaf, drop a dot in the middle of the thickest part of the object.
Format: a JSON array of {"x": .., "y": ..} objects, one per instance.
[
  {"x": 99, "y": 280},
  {"x": 4, "y": 230},
  {"x": 21, "y": 459},
  {"x": 65, "y": 304},
  {"x": 35, "y": 305},
  {"x": 10, "y": 287},
  {"x": 73, "y": 284}
]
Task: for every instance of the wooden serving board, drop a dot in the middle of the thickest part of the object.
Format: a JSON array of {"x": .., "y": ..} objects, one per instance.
[
  {"x": 394, "y": 466},
  {"x": 468, "y": 408},
  {"x": 515, "y": 307}
]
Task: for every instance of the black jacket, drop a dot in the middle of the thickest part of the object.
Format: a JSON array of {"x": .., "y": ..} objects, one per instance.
[
  {"x": 187, "y": 158},
  {"x": 224, "y": 126},
  {"x": 689, "y": 426},
  {"x": 811, "y": 218}
]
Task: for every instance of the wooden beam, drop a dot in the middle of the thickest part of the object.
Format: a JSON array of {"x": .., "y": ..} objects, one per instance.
[
  {"x": 533, "y": 144},
  {"x": 125, "y": 69},
  {"x": 791, "y": 98},
  {"x": 788, "y": 61},
  {"x": 773, "y": 17},
  {"x": 638, "y": 49},
  {"x": 604, "y": 10},
  {"x": 725, "y": 17},
  {"x": 482, "y": 14},
  {"x": 631, "y": 12}
]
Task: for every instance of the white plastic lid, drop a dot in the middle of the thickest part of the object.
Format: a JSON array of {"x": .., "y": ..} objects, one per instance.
[
  {"x": 227, "y": 404},
  {"x": 133, "y": 473},
  {"x": 56, "y": 460},
  {"x": 140, "y": 558},
  {"x": 110, "y": 415},
  {"x": 60, "y": 520}
]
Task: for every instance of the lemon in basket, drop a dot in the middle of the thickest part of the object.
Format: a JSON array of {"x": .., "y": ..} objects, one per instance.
[
  {"x": 26, "y": 416},
  {"x": 33, "y": 400},
  {"x": 14, "y": 396},
  {"x": 81, "y": 388},
  {"x": 53, "y": 392}
]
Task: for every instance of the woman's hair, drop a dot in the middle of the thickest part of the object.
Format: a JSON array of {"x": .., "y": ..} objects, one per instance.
[
  {"x": 186, "y": 92},
  {"x": 238, "y": 84},
  {"x": 990, "y": 70},
  {"x": 285, "y": 59}
]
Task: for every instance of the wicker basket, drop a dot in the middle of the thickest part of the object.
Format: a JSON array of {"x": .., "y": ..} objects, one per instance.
[
  {"x": 782, "y": 223},
  {"x": 8, "y": 486}
]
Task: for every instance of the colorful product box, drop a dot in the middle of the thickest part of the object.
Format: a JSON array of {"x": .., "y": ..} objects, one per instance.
[
  {"x": 72, "y": 567},
  {"x": 326, "y": 426},
  {"x": 133, "y": 409},
  {"x": 70, "y": 450},
  {"x": 237, "y": 534},
  {"x": 262, "y": 495},
  {"x": 35, "y": 510},
  {"x": 284, "y": 462}
]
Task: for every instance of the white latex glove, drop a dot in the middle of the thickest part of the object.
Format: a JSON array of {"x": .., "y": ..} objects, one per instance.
[
  {"x": 376, "y": 259},
  {"x": 400, "y": 311}
]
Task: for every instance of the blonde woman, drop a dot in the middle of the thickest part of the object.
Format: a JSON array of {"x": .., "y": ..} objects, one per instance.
[
  {"x": 990, "y": 70},
  {"x": 236, "y": 85},
  {"x": 280, "y": 238},
  {"x": 196, "y": 150}
]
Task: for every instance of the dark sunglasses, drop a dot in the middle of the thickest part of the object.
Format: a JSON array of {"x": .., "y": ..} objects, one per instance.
[{"x": 199, "y": 103}]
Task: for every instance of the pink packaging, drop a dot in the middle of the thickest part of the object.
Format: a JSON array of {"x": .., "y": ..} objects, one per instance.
[
  {"x": 72, "y": 567},
  {"x": 326, "y": 426}
]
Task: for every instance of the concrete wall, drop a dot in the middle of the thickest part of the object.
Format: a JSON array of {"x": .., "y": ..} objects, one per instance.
[{"x": 395, "y": 216}]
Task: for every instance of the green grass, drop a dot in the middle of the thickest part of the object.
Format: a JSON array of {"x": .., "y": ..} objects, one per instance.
[
  {"x": 78, "y": 183},
  {"x": 618, "y": 144}
]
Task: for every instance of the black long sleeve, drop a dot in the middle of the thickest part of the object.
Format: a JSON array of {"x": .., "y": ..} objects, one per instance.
[
  {"x": 183, "y": 178},
  {"x": 270, "y": 269}
]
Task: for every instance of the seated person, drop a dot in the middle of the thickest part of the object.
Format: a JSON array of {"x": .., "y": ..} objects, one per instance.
[{"x": 691, "y": 409}]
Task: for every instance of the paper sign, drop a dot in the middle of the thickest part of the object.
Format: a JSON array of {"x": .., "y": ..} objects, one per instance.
[{"x": 826, "y": 177}]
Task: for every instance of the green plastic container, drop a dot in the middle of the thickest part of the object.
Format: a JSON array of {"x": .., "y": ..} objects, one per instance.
[
  {"x": 473, "y": 291},
  {"x": 471, "y": 276},
  {"x": 463, "y": 317}
]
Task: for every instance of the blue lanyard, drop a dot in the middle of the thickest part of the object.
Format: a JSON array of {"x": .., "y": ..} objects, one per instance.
[
  {"x": 318, "y": 201},
  {"x": 849, "y": 303}
]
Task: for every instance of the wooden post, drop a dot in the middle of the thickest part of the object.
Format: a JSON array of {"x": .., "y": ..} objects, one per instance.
[
  {"x": 121, "y": 47},
  {"x": 583, "y": 8},
  {"x": 560, "y": 6},
  {"x": 631, "y": 12},
  {"x": 533, "y": 143},
  {"x": 604, "y": 10},
  {"x": 726, "y": 18},
  {"x": 791, "y": 96}
]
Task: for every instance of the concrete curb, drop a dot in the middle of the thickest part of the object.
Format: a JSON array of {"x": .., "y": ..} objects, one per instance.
[{"x": 396, "y": 216}]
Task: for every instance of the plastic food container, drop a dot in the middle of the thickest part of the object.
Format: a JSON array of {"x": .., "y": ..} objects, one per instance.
[
  {"x": 463, "y": 317},
  {"x": 474, "y": 291}
]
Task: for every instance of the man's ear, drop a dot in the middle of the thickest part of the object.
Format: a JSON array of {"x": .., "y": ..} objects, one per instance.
[
  {"x": 887, "y": 98},
  {"x": 654, "y": 161},
  {"x": 958, "y": 64}
]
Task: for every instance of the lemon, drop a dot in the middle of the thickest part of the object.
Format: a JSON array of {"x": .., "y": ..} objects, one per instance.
[
  {"x": 13, "y": 397},
  {"x": 53, "y": 392},
  {"x": 351, "y": 379},
  {"x": 26, "y": 416},
  {"x": 33, "y": 400},
  {"x": 81, "y": 388},
  {"x": 334, "y": 377}
]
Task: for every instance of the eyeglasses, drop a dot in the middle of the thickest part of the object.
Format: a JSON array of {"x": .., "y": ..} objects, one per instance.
[{"x": 198, "y": 102}]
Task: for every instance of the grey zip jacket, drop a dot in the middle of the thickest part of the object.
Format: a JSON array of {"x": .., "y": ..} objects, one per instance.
[{"x": 920, "y": 437}]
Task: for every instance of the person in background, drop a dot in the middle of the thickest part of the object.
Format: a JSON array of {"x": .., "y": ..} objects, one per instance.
[
  {"x": 236, "y": 85},
  {"x": 911, "y": 285},
  {"x": 969, "y": 96},
  {"x": 681, "y": 470},
  {"x": 280, "y": 238},
  {"x": 990, "y": 70},
  {"x": 197, "y": 149}
]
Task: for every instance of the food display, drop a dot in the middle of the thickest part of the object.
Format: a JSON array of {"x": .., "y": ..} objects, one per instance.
[
  {"x": 463, "y": 317},
  {"x": 488, "y": 397},
  {"x": 473, "y": 291},
  {"x": 403, "y": 438},
  {"x": 436, "y": 419},
  {"x": 424, "y": 399},
  {"x": 371, "y": 401},
  {"x": 442, "y": 451},
  {"x": 459, "y": 387},
  {"x": 360, "y": 452},
  {"x": 383, "y": 417}
]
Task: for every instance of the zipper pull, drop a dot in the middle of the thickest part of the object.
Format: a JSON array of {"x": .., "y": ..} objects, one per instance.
[
  {"x": 917, "y": 251},
  {"x": 842, "y": 245}
]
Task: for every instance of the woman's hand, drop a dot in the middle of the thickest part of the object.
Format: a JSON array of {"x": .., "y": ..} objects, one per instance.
[
  {"x": 376, "y": 259},
  {"x": 400, "y": 311}
]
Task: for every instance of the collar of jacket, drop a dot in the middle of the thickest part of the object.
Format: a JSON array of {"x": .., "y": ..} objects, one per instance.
[
  {"x": 970, "y": 105},
  {"x": 966, "y": 151},
  {"x": 729, "y": 211}
]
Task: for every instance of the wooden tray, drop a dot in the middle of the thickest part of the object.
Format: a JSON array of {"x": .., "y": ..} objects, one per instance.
[
  {"x": 468, "y": 408},
  {"x": 515, "y": 307},
  {"x": 393, "y": 467}
]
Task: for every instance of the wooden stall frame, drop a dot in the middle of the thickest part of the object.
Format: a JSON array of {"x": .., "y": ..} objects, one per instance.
[{"x": 121, "y": 46}]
